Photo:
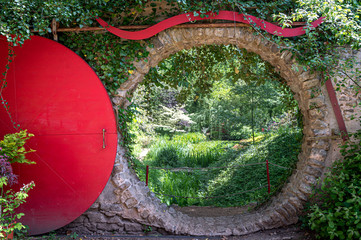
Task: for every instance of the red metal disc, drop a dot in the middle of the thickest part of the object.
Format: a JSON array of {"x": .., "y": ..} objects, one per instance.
[{"x": 55, "y": 94}]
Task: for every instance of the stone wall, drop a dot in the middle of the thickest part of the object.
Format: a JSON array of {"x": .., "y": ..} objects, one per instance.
[{"x": 127, "y": 206}]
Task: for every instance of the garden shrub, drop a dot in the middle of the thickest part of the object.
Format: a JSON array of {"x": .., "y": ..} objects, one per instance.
[
  {"x": 337, "y": 211},
  {"x": 242, "y": 133},
  {"x": 12, "y": 150},
  {"x": 167, "y": 157}
]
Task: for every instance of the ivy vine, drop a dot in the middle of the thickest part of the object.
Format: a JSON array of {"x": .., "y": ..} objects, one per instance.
[{"x": 318, "y": 50}]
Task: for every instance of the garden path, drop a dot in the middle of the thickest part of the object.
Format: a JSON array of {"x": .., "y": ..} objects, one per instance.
[{"x": 293, "y": 232}]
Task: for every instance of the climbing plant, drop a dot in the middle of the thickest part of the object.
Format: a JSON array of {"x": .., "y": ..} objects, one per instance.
[
  {"x": 319, "y": 50},
  {"x": 112, "y": 57},
  {"x": 197, "y": 69}
]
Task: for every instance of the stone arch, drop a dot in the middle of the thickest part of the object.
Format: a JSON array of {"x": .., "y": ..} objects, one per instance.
[{"x": 126, "y": 203}]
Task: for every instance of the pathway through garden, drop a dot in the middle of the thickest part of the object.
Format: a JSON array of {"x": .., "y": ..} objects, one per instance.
[{"x": 293, "y": 232}]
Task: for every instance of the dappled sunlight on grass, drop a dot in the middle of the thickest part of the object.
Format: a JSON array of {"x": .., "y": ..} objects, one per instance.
[{"x": 225, "y": 174}]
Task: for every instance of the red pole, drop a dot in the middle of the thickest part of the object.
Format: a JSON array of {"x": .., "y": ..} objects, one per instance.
[
  {"x": 146, "y": 175},
  {"x": 268, "y": 180}
]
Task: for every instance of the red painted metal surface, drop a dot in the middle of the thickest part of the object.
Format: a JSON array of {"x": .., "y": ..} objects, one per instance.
[
  {"x": 223, "y": 15},
  {"x": 336, "y": 109},
  {"x": 54, "y": 94}
]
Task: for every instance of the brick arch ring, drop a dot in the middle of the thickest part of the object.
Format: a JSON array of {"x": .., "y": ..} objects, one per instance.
[{"x": 127, "y": 199}]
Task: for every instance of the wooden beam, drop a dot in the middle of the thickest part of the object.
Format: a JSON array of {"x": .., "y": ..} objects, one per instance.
[{"x": 141, "y": 27}]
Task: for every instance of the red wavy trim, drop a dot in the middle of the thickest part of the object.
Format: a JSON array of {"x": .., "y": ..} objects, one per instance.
[{"x": 223, "y": 15}]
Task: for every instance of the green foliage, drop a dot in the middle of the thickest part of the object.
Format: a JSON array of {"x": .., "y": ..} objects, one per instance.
[
  {"x": 12, "y": 150},
  {"x": 322, "y": 50},
  {"x": 108, "y": 55},
  {"x": 18, "y": 17},
  {"x": 233, "y": 102},
  {"x": 193, "y": 137},
  {"x": 196, "y": 70},
  {"x": 13, "y": 146},
  {"x": 167, "y": 157},
  {"x": 184, "y": 151},
  {"x": 111, "y": 57},
  {"x": 279, "y": 148},
  {"x": 336, "y": 213},
  {"x": 9, "y": 201}
]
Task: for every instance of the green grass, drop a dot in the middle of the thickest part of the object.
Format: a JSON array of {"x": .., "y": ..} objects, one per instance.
[{"x": 281, "y": 148}]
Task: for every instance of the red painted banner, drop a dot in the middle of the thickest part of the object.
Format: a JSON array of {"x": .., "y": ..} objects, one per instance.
[{"x": 222, "y": 15}]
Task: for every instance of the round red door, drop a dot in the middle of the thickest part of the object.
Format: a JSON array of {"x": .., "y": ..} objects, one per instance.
[{"x": 56, "y": 95}]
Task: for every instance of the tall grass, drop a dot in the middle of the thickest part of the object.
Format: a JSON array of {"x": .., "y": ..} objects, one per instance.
[
  {"x": 179, "y": 152},
  {"x": 281, "y": 148}
]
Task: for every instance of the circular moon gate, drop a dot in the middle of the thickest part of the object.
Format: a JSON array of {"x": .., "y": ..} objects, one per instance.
[
  {"x": 128, "y": 199},
  {"x": 54, "y": 94}
]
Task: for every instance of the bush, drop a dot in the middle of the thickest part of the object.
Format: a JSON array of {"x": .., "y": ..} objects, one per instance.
[
  {"x": 167, "y": 157},
  {"x": 243, "y": 133},
  {"x": 12, "y": 150},
  {"x": 337, "y": 213}
]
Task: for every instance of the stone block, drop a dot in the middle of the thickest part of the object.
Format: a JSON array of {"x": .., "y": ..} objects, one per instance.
[
  {"x": 176, "y": 35},
  {"x": 283, "y": 213},
  {"x": 144, "y": 213},
  {"x": 108, "y": 227},
  {"x": 122, "y": 187},
  {"x": 317, "y": 163},
  {"x": 232, "y": 33},
  {"x": 309, "y": 179},
  {"x": 306, "y": 76},
  {"x": 295, "y": 88},
  {"x": 131, "y": 202},
  {"x": 266, "y": 220},
  {"x": 318, "y": 124},
  {"x": 320, "y": 144},
  {"x": 133, "y": 227},
  {"x": 141, "y": 66},
  {"x": 80, "y": 220},
  {"x": 305, "y": 189},
  {"x": 309, "y": 84},
  {"x": 314, "y": 171},
  {"x": 317, "y": 102},
  {"x": 118, "y": 168},
  {"x": 316, "y": 113},
  {"x": 157, "y": 44},
  {"x": 96, "y": 217},
  {"x": 319, "y": 154},
  {"x": 300, "y": 195},
  {"x": 218, "y": 32},
  {"x": 111, "y": 207},
  {"x": 115, "y": 220},
  {"x": 292, "y": 211},
  {"x": 322, "y": 132},
  {"x": 95, "y": 205},
  {"x": 131, "y": 213},
  {"x": 287, "y": 56}
]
